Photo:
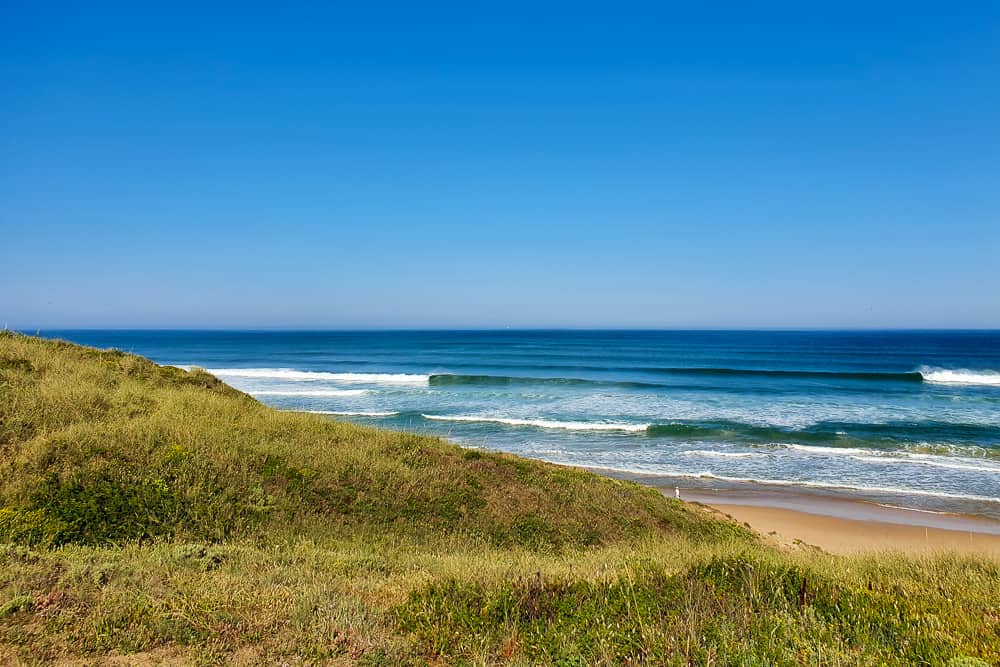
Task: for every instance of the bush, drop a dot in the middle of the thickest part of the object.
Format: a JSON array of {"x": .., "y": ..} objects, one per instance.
[
  {"x": 93, "y": 509},
  {"x": 29, "y": 527}
]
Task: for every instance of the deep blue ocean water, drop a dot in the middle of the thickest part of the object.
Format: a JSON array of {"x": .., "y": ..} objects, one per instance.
[{"x": 910, "y": 419}]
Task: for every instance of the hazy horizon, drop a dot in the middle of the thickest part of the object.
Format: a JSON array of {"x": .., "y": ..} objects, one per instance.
[{"x": 486, "y": 329}]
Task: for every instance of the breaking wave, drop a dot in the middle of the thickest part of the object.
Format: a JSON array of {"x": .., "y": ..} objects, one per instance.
[
  {"x": 358, "y": 413},
  {"x": 543, "y": 423},
  {"x": 311, "y": 392},
  {"x": 922, "y": 374},
  {"x": 960, "y": 376},
  {"x": 320, "y": 376}
]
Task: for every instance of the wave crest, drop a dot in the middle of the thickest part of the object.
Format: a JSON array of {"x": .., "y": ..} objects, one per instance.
[
  {"x": 312, "y": 392},
  {"x": 320, "y": 376},
  {"x": 960, "y": 376},
  {"x": 543, "y": 423},
  {"x": 357, "y": 413},
  {"x": 453, "y": 379}
]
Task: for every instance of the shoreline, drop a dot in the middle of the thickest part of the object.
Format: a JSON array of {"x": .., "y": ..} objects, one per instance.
[
  {"x": 792, "y": 528},
  {"x": 840, "y": 525}
]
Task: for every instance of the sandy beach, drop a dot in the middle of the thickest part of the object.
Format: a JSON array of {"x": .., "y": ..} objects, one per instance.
[
  {"x": 837, "y": 524},
  {"x": 846, "y": 526},
  {"x": 844, "y": 536}
]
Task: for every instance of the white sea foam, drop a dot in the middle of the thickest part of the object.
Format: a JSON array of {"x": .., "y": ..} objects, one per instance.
[
  {"x": 816, "y": 485},
  {"x": 711, "y": 453},
  {"x": 930, "y": 450},
  {"x": 320, "y": 376},
  {"x": 937, "y": 462},
  {"x": 543, "y": 423},
  {"x": 311, "y": 392},
  {"x": 359, "y": 413},
  {"x": 937, "y": 449},
  {"x": 551, "y": 452},
  {"x": 897, "y": 456},
  {"x": 959, "y": 376},
  {"x": 822, "y": 451}
]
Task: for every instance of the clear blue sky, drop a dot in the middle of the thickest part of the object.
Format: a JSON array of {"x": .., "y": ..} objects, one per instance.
[{"x": 525, "y": 165}]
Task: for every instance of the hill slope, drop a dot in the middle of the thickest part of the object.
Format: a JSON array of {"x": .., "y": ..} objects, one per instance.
[
  {"x": 149, "y": 514},
  {"x": 105, "y": 446}
]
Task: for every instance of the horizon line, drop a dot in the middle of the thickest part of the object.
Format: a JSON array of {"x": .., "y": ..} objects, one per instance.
[{"x": 494, "y": 329}]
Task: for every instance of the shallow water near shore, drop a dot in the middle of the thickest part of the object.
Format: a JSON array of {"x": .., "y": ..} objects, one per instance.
[{"x": 908, "y": 419}]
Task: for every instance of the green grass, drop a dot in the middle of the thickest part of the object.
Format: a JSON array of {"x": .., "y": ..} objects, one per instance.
[{"x": 160, "y": 514}]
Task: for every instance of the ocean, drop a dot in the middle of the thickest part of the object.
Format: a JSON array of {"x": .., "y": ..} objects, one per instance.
[{"x": 902, "y": 418}]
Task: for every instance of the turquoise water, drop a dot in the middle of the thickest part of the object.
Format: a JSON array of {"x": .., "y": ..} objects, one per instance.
[{"x": 909, "y": 419}]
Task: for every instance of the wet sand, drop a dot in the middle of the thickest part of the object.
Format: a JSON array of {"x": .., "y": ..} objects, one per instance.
[
  {"x": 847, "y": 526},
  {"x": 844, "y": 536}
]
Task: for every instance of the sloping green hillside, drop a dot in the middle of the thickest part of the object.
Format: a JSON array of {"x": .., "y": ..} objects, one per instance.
[
  {"x": 153, "y": 515},
  {"x": 104, "y": 447}
]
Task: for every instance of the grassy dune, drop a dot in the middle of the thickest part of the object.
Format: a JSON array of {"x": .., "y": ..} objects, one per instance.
[{"x": 149, "y": 514}]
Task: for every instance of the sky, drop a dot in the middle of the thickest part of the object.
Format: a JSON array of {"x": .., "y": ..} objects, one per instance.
[{"x": 415, "y": 165}]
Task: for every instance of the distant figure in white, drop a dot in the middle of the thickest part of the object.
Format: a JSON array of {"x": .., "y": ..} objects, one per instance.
[{"x": 677, "y": 492}]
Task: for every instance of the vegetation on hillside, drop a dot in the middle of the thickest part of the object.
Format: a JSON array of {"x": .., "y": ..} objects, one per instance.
[{"x": 158, "y": 514}]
